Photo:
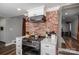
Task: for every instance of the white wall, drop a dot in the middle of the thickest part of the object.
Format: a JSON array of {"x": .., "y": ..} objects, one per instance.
[
  {"x": 65, "y": 27},
  {"x": 13, "y": 29},
  {"x": 2, "y": 33},
  {"x": 60, "y": 39},
  {"x": 74, "y": 27}
]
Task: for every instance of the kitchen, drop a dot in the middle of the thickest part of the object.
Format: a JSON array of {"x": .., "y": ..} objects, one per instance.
[{"x": 40, "y": 28}]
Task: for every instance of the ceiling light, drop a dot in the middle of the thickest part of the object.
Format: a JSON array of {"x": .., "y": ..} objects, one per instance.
[
  {"x": 18, "y": 9},
  {"x": 66, "y": 13}
]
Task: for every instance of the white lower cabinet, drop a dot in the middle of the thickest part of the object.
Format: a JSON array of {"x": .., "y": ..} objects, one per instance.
[
  {"x": 48, "y": 46},
  {"x": 48, "y": 49},
  {"x": 19, "y": 46}
]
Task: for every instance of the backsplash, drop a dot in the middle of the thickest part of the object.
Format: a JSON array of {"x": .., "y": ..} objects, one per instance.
[{"x": 51, "y": 24}]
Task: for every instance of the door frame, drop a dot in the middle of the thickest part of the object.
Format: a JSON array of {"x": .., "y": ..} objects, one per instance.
[{"x": 60, "y": 40}]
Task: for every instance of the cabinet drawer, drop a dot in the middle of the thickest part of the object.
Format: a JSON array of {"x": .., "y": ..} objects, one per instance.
[
  {"x": 48, "y": 50},
  {"x": 47, "y": 45}
]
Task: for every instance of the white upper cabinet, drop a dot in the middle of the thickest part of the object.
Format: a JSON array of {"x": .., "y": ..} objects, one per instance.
[{"x": 36, "y": 11}]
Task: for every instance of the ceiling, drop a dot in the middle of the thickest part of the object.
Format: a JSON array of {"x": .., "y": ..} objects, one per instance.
[
  {"x": 69, "y": 12},
  {"x": 10, "y": 9}
]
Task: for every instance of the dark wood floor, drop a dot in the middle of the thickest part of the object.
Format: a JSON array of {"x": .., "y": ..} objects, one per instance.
[
  {"x": 71, "y": 43},
  {"x": 8, "y": 50}
]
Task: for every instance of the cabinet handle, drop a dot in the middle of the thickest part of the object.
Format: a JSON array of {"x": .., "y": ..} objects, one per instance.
[
  {"x": 47, "y": 53},
  {"x": 47, "y": 46}
]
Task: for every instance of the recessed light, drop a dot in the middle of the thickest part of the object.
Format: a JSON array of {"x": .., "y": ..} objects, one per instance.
[
  {"x": 18, "y": 9},
  {"x": 66, "y": 13}
]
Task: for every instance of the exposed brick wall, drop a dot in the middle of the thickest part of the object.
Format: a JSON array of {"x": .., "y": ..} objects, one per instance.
[
  {"x": 52, "y": 20},
  {"x": 41, "y": 28}
]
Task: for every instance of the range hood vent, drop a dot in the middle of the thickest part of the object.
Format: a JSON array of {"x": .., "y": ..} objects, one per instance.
[
  {"x": 39, "y": 18},
  {"x": 37, "y": 14}
]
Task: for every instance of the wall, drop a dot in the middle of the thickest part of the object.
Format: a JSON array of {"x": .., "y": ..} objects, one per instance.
[
  {"x": 2, "y": 33},
  {"x": 51, "y": 24},
  {"x": 13, "y": 29},
  {"x": 65, "y": 26},
  {"x": 60, "y": 39},
  {"x": 74, "y": 26}
]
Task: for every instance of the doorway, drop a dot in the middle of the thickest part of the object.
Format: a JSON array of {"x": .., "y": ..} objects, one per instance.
[{"x": 70, "y": 28}]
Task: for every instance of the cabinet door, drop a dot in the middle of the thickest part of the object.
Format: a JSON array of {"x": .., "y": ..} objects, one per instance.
[{"x": 48, "y": 49}]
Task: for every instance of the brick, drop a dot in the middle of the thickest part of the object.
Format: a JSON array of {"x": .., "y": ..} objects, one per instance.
[{"x": 41, "y": 28}]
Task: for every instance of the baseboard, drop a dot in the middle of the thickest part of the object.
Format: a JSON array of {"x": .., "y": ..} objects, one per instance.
[
  {"x": 13, "y": 42},
  {"x": 68, "y": 50},
  {"x": 74, "y": 37},
  {"x": 63, "y": 40},
  {"x": 8, "y": 44}
]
